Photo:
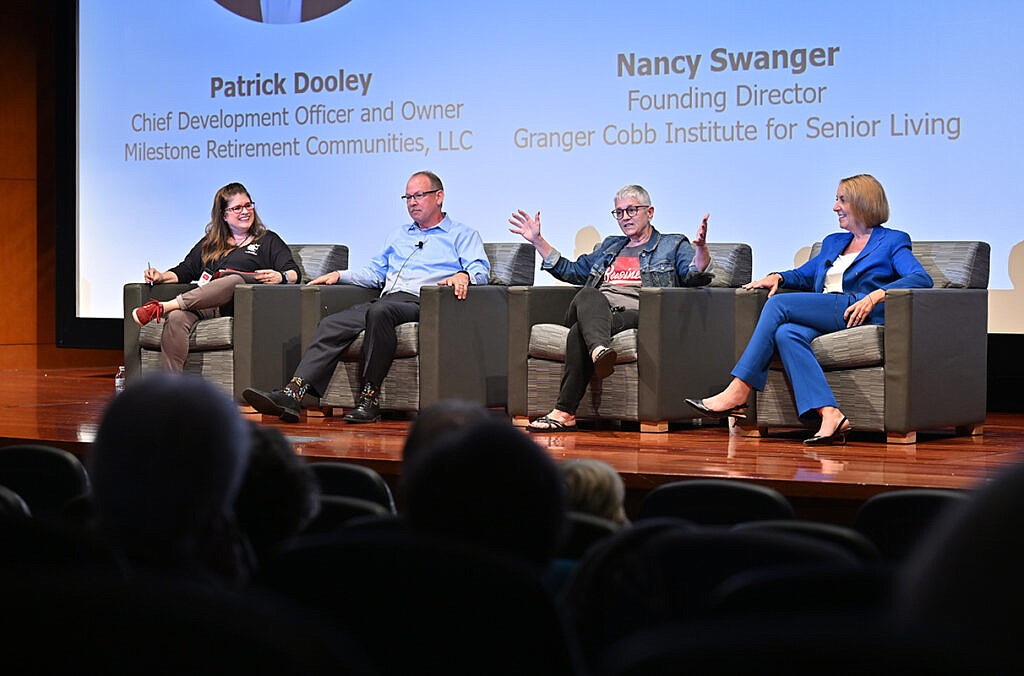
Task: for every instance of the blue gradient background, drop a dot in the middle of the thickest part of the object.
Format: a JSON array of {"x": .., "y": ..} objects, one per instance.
[{"x": 528, "y": 65}]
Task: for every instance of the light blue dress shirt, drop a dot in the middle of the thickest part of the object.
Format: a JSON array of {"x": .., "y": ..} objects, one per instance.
[{"x": 412, "y": 258}]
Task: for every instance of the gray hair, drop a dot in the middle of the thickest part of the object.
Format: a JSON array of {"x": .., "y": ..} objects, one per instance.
[{"x": 637, "y": 192}]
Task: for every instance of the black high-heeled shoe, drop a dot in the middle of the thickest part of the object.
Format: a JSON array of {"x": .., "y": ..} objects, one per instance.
[
  {"x": 838, "y": 435},
  {"x": 735, "y": 412}
]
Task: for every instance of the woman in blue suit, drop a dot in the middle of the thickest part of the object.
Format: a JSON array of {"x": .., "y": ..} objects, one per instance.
[{"x": 846, "y": 282}]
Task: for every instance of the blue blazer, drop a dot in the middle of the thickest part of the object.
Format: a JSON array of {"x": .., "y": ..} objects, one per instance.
[{"x": 886, "y": 262}]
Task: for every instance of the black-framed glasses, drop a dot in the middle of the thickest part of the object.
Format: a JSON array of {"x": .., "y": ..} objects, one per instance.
[
  {"x": 630, "y": 211},
  {"x": 419, "y": 195},
  {"x": 248, "y": 206}
]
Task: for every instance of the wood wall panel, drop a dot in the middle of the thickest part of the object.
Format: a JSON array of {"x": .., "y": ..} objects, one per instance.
[
  {"x": 17, "y": 248},
  {"x": 27, "y": 194},
  {"x": 18, "y": 86}
]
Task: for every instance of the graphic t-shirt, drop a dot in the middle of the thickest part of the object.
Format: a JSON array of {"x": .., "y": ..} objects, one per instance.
[{"x": 621, "y": 284}]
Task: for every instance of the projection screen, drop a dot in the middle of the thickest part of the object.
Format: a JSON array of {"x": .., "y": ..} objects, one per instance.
[{"x": 750, "y": 111}]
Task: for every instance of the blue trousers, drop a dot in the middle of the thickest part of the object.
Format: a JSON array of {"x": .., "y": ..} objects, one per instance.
[{"x": 788, "y": 323}]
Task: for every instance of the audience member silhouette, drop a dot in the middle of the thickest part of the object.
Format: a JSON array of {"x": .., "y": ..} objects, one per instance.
[
  {"x": 437, "y": 419},
  {"x": 490, "y": 485},
  {"x": 280, "y": 494},
  {"x": 594, "y": 487},
  {"x": 962, "y": 582},
  {"x": 166, "y": 465}
]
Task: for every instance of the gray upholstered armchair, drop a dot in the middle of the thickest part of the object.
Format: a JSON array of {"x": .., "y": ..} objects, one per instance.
[
  {"x": 256, "y": 347},
  {"x": 458, "y": 349},
  {"x": 925, "y": 368},
  {"x": 686, "y": 342}
]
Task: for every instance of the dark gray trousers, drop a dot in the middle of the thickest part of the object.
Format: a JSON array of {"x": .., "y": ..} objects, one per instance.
[{"x": 336, "y": 332}]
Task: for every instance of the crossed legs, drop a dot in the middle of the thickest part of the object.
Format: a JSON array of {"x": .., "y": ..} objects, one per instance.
[
  {"x": 592, "y": 322},
  {"x": 787, "y": 325},
  {"x": 181, "y": 314}
]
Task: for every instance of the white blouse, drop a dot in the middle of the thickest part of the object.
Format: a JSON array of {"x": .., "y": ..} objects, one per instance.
[{"x": 834, "y": 275}]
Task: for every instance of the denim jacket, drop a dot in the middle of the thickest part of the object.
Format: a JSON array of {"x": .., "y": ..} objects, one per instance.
[{"x": 665, "y": 260}]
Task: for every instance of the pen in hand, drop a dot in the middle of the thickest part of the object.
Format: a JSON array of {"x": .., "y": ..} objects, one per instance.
[{"x": 148, "y": 268}]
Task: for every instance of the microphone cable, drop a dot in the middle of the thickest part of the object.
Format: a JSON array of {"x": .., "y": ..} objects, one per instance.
[{"x": 398, "y": 275}]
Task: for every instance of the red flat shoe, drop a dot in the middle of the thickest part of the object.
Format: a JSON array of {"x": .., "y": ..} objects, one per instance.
[{"x": 148, "y": 312}]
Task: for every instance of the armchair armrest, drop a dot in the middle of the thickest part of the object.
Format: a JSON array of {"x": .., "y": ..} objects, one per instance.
[
  {"x": 316, "y": 302},
  {"x": 936, "y": 340},
  {"x": 529, "y": 305},
  {"x": 688, "y": 340},
  {"x": 464, "y": 345},
  {"x": 266, "y": 335}
]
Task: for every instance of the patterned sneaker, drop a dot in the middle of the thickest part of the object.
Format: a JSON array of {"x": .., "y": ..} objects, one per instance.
[{"x": 148, "y": 312}]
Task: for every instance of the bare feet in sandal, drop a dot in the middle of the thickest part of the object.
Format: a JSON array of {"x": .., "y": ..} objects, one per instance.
[{"x": 556, "y": 421}]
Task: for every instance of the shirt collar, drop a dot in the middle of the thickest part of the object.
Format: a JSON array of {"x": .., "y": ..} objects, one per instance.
[
  {"x": 652, "y": 242},
  {"x": 445, "y": 225}
]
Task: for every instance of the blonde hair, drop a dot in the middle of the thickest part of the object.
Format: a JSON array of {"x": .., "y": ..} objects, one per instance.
[
  {"x": 594, "y": 487},
  {"x": 865, "y": 196}
]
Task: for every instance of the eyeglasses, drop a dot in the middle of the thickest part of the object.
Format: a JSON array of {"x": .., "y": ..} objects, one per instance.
[
  {"x": 419, "y": 195},
  {"x": 629, "y": 211},
  {"x": 248, "y": 206}
]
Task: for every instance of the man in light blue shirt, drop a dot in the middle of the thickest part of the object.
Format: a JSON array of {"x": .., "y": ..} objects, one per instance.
[{"x": 433, "y": 249}]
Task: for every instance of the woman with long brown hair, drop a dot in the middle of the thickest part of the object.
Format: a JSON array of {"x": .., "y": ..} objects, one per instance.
[{"x": 237, "y": 248}]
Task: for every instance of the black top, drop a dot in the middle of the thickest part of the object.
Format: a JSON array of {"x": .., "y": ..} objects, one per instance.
[{"x": 269, "y": 252}]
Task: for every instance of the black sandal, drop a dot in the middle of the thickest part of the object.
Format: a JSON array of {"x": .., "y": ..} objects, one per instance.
[
  {"x": 604, "y": 363},
  {"x": 550, "y": 425}
]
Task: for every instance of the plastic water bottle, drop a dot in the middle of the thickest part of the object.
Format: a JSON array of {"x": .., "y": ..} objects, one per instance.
[{"x": 119, "y": 380}]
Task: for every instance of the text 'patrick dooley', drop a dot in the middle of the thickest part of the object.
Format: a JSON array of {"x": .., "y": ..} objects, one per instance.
[{"x": 302, "y": 83}]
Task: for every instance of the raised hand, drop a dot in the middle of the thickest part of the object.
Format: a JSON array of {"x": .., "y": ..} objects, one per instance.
[
  {"x": 525, "y": 225},
  {"x": 700, "y": 239}
]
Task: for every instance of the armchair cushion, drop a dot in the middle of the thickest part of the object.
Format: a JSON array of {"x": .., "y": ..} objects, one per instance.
[
  {"x": 319, "y": 259},
  {"x": 952, "y": 265},
  {"x": 512, "y": 263},
  {"x": 731, "y": 264},
  {"x": 853, "y": 348},
  {"x": 210, "y": 334},
  {"x": 408, "y": 343},
  {"x": 547, "y": 341}
]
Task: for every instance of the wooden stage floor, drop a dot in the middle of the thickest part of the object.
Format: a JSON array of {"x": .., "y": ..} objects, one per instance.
[{"x": 63, "y": 408}]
